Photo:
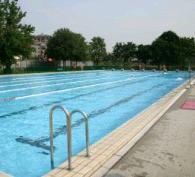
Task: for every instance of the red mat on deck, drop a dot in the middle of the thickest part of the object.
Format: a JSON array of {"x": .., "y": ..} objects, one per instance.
[{"x": 188, "y": 105}]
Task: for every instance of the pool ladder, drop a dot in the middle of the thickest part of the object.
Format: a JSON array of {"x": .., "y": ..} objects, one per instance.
[{"x": 69, "y": 132}]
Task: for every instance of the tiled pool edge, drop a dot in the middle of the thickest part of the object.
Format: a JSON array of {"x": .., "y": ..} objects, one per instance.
[{"x": 107, "y": 151}]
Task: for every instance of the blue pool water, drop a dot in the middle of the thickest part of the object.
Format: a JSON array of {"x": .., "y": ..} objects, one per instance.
[{"x": 110, "y": 98}]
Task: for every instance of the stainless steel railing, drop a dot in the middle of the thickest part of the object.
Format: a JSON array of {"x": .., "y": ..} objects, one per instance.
[
  {"x": 69, "y": 133},
  {"x": 86, "y": 128}
]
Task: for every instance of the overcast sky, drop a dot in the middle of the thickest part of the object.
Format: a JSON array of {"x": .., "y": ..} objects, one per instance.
[{"x": 140, "y": 21}]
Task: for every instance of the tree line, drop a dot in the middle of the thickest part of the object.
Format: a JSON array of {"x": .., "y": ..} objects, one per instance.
[
  {"x": 67, "y": 45},
  {"x": 16, "y": 39},
  {"x": 168, "y": 49}
]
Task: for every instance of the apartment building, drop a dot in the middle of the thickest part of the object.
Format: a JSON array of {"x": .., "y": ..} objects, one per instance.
[{"x": 40, "y": 46}]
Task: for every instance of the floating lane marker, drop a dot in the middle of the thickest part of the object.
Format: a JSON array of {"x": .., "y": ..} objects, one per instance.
[
  {"x": 39, "y": 75},
  {"x": 70, "y": 89},
  {"x": 59, "y": 91},
  {"x": 53, "y": 77},
  {"x": 51, "y": 85},
  {"x": 45, "y": 81},
  {"x": 76, "y": 88},
  {"x": 16, "y": 80},
  {"x": 66, "y": 90}
]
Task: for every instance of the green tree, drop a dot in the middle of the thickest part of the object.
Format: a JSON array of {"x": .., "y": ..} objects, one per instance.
[
  {"x": 166, "y": 49},
  {"x": 187, "y": 51},
  {"x": 157, "y": 48},
  {"x": 67, "y": 45},
  {"x": 144, "y": 53},
  {"x": 97, "y": 49},
  {"x": 15, "y": 38},
  {"x": 118, "y": 50},
  {"x": 125, "y": 51}
]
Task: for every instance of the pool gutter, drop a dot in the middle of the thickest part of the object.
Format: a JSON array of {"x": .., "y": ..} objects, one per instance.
[{"x": 110, "y": 149}]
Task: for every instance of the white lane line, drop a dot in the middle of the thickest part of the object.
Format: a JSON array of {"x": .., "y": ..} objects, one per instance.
[
  {"x": 75, "y": 88},
  {"x": 50, "y": 76},
  {"x": 70, "y": 89},
  {"x": 29, "y": 78},
  {"x": 27, "y": 88},
  {"x": 41, "y": 78},
  {"x": 67, "y": 73},
  {"x": 49, "y": 73},
  {"x": 53, "y": 76},
  {"x": 36, "y": 78},
  {"x": 31, "y": 83},
  {"x": 73, "y": 75},
  {"x": 47, "y": 81},
  {"x": 51, "y": 85},
  {"x": 44, "y": 81}
]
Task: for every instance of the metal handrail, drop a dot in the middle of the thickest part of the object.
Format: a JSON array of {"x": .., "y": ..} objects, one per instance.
[
  {"x": 85, "y": 116},
  {"x": 69, "y": 134}
]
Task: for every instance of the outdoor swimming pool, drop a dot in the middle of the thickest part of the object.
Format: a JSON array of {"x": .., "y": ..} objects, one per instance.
[{"x": 109, "y": 97}]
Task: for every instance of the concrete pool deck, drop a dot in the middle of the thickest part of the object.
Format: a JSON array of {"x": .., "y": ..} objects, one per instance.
[
  {"x": 167, "y": 150},
  {"x": 106, "y": 152}
]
